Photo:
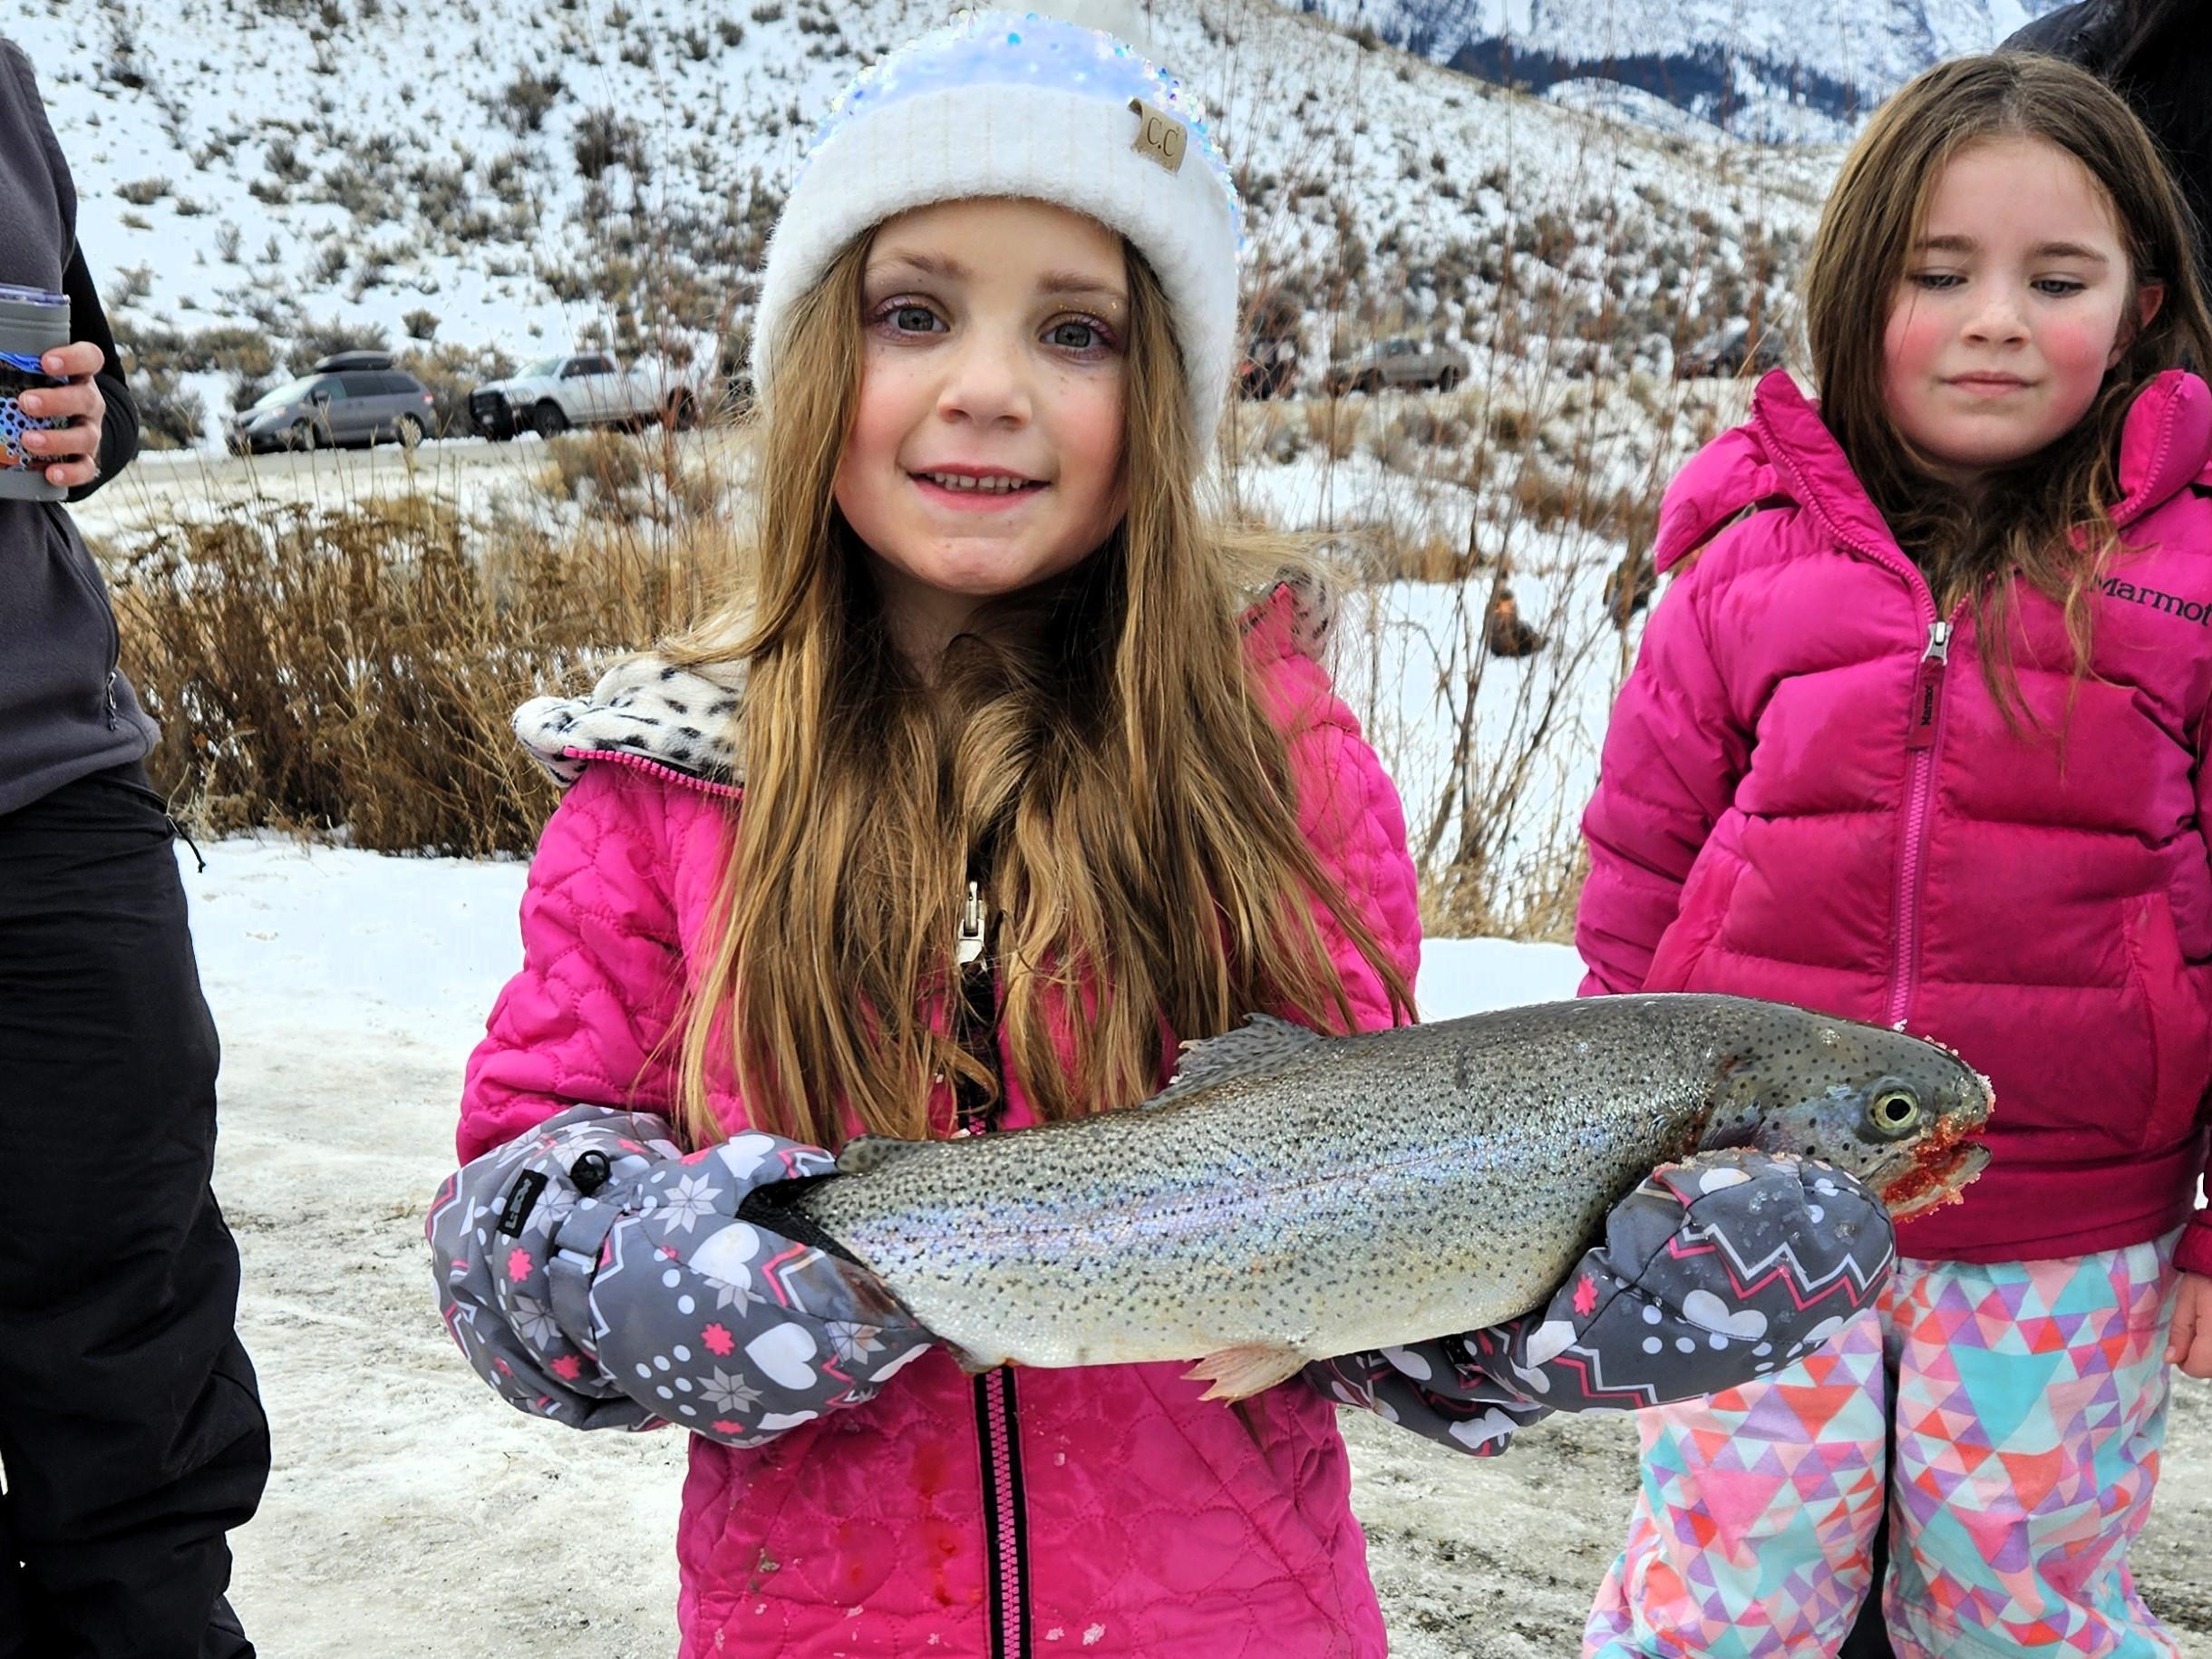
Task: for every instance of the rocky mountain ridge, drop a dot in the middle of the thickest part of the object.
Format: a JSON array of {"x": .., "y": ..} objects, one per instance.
[{"x": 1761, "y": 70}]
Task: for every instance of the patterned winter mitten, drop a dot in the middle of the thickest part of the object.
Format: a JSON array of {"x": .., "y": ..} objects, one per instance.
[
  {"x": 1712, "y": 1272},
  {"x": 593, "y": 1273}
]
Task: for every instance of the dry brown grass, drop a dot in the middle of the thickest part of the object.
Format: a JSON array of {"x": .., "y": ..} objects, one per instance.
[
  {"x": 598, "y": 464},
  {"x": 349, "y": 670}
]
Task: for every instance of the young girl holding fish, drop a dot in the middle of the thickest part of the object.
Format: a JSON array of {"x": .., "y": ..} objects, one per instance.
[
  {"x": 1918, "y": 735},
  {"x": 990, "y": 788}
]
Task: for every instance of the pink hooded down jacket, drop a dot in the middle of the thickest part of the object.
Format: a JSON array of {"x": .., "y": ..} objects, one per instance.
[
  {"x": 1102, "y": 1512},
  {"x": 1808, "y": 793}
]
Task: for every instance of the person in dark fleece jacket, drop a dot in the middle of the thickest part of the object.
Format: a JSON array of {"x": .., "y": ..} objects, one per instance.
[{"x": 131, "y": 1435}]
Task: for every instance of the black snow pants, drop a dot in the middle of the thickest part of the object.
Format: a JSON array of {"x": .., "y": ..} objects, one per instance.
[{"x": 132, "y": 1437}]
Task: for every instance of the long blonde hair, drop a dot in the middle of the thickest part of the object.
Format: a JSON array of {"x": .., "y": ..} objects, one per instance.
[
  {"x": 2048, "y": 516},
  {"x": 1107, "y": 770}
]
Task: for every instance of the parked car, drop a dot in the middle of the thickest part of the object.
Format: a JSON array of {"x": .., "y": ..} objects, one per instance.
[
  {"x": 1398, "y": 362},
  {"x": 1729, "y": 351},
  {"x": 347, "y": 398},
  {"x": 583, "y": 389}
]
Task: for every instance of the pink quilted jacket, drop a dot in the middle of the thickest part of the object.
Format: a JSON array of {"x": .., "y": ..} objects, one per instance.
[
  {"x": 1808, "y": 793},
  {"x": 1104, "y": 1512}
]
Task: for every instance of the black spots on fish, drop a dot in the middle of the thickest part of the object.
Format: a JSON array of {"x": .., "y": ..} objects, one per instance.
[{"x": 1462, "y": 1073}]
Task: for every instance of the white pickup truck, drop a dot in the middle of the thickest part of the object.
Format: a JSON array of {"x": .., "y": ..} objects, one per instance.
[{"x": 583, "y": 389}]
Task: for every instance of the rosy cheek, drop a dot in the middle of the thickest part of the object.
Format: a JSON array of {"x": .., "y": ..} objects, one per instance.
[
  {"x": 2079, "y": 354},
  {"x": 1091, "y": 430},
  {"x": 879, "y": 418},
  {"x": 1106, "y": 435},
  {"x": 1914, "y": 338}
]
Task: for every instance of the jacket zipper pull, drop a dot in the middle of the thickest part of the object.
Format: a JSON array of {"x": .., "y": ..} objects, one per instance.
[
  {"x": 1927, "y": 686},
  {"x": 968, "y": 947},
  {"x": 974, "y": 1012}
]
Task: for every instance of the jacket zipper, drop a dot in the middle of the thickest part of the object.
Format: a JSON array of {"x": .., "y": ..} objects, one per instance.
[
  {"x": 116, "y": 650},
  {"x": 998, "y": 1436},
  {"x": 659, "y": 769},
  {"x": 1919, "y": 795},
  {"x": 95, "y": 585},
  {"x": 974, "y": 1009},
  {"x": 1923, "y": 730},
  {"x": 1005, "y": 1528}
]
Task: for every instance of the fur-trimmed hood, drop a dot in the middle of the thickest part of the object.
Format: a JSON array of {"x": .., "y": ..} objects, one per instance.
[
  {"x": 684, "y": 718},
  {"x": 687, "y": 718}
]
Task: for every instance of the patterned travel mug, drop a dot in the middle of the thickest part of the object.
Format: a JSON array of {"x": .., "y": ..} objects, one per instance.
[{"x": 32, "y": 322}]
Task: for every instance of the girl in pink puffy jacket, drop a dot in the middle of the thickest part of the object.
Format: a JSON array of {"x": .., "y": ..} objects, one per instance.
[
  {"x": 1920, "y": 735},
  {"x": 990, "y": 790}
]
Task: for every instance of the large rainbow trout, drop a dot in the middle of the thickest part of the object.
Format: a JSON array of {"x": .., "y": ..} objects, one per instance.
[{"x": 1290, "y": 1197}]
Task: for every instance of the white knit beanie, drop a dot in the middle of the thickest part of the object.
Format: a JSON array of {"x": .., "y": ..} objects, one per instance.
[{"x": 1021, "y": 104}]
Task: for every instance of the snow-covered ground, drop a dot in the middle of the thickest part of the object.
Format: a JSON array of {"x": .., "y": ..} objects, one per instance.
[{"x": 413, "y": 1514}]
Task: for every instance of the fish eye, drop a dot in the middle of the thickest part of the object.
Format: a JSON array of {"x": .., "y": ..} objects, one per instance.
[{"x": 1895, "y": 1111}]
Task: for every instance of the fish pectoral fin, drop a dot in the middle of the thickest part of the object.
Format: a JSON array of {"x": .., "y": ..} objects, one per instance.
[
  {"x": 973, "y": 1364},
  {"x": 1236, "y": 1372},
  {"x": 865, "y": 1154},
  {"x": 1260, "y": 1042}
]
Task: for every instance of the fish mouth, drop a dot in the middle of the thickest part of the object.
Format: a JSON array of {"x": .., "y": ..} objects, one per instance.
[{"x": 1942, "y": 1164}]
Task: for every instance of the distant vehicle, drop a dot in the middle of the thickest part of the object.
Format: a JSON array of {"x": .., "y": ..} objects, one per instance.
[
  {"x": 1729, "y": 351},
  {"x": 1398, "y": 363},
  {"x": 352, "y": 398},
  {"x": 583, "y": 389}
]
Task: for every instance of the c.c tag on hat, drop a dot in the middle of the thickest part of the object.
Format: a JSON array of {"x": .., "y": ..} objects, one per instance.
[{"x": 1159, "y": 136}]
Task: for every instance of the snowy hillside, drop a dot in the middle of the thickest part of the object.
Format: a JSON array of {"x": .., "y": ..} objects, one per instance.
[
  {"x": 1764, "y": 69},
  {"x": 264, "y": 180}
]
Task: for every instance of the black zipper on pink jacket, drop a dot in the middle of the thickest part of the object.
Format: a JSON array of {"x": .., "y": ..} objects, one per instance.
[{"x": 998, "y": 1424}]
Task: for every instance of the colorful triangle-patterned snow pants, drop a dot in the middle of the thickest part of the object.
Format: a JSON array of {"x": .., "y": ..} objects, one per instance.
[{"x": 2030, "y": 1406}]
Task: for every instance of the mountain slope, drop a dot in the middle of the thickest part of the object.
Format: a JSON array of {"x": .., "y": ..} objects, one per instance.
[{"x": 263, "y": 180}]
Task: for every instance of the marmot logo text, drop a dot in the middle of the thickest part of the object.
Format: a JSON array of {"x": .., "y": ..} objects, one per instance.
[{"x": 2188, "y": 610}]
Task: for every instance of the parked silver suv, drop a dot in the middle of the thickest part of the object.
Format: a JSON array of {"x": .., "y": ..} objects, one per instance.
[
  {"x": 353, "y": 397},
  {"x": 1398, "y": 362}
]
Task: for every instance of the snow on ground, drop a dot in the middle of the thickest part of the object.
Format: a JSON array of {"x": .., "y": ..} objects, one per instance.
[{"x": 413, "y": 1514}]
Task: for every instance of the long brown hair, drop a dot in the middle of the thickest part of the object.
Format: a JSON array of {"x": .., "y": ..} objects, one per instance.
[
  {"x": 1106, "y": 767},
  {"x": 2048, "y": 517}
]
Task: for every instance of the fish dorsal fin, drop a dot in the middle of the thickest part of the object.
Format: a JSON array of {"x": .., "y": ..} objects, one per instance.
[
  {"x": 1259, "y": 1044},
  {"x": 867, "y": 1154}
]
